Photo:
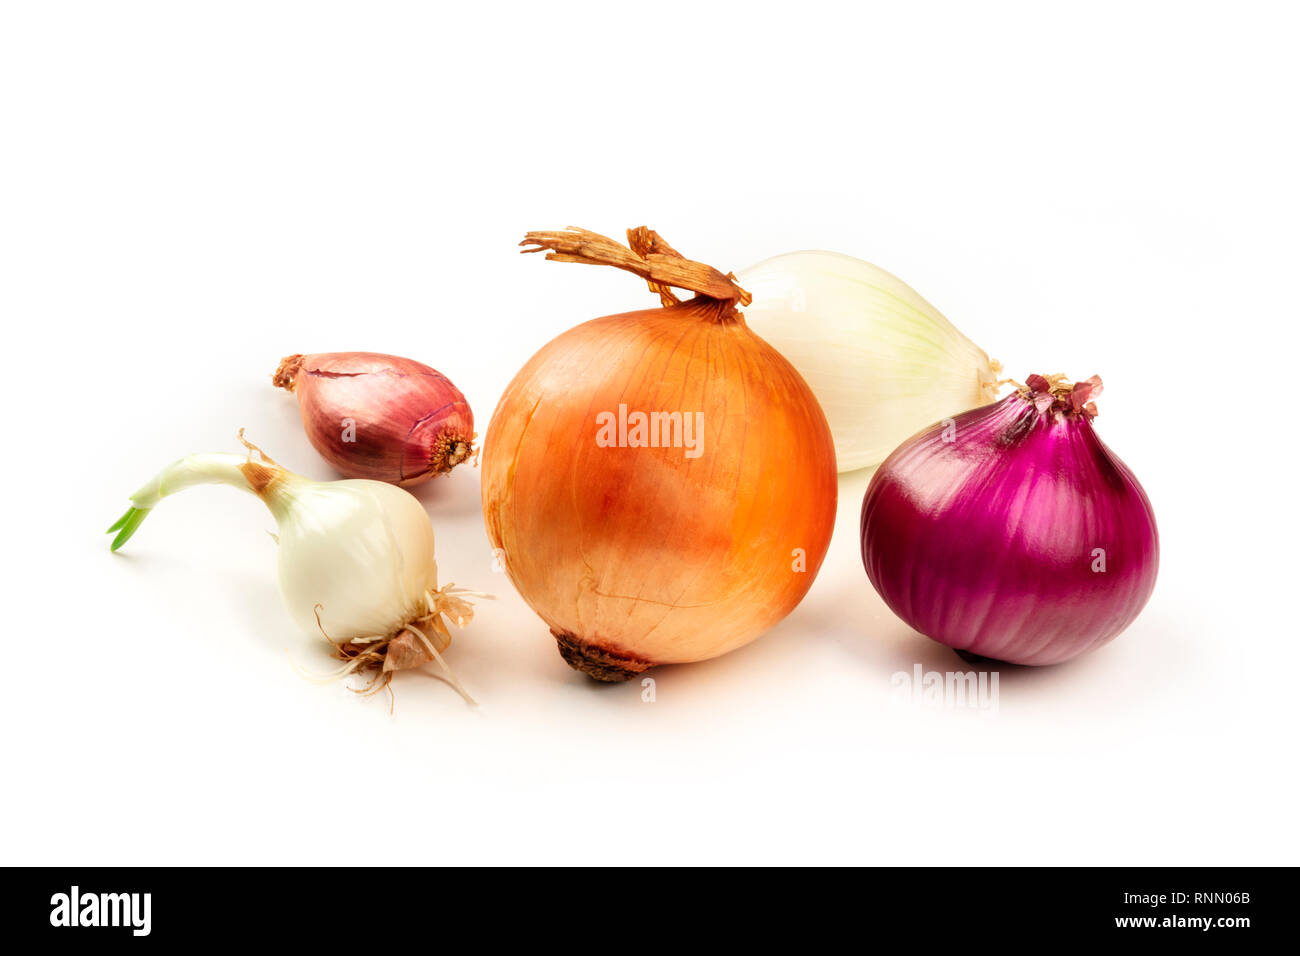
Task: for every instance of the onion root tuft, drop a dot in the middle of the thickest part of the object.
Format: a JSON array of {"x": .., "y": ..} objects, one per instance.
[{"x": 596, "y": 662}]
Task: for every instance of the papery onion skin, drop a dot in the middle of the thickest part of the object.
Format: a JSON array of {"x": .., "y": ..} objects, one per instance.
[
  {"x": 380, "y": 417},
  {"x": 638, "y": 556},
  {"x": 882, "y": 360},
  {"x": 1011, "y": 532}
]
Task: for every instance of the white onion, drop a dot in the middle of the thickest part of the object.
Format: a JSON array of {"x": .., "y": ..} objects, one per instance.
[
  {"x": 883, "y": 362},
  {"x": 356, "y": 559}
]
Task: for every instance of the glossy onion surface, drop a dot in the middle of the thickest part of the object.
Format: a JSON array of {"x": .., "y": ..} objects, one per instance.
[
  {"x": 637, "y": 556},
  {"x": 380, "y": 417},
  {"x": 1012, "y": 532}
]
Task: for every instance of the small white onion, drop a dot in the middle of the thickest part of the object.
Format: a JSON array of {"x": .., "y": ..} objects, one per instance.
[
  {"x": 883, "y": 362},
  {"x": 361, "y": 551},
  {"x": 356, "y": 559}
]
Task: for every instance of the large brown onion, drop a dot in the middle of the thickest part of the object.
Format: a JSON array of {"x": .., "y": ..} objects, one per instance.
[{"x": 634, "y": 555}]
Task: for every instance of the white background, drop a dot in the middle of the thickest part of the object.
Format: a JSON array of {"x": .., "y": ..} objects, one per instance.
[{"x": 189, "y": 192}]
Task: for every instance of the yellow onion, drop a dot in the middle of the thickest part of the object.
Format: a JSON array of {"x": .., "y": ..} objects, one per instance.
[{"x": 660, "y": 485}]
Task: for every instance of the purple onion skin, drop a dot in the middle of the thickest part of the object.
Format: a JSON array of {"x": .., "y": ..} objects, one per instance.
[
  {"x": 408, "y": 422},
  {"x": 987, "y": 541}
]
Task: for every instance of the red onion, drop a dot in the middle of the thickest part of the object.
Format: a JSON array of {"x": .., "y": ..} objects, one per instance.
[
  {"x": 1011, "y": 532},
  {"x": 379, "y": 416}
]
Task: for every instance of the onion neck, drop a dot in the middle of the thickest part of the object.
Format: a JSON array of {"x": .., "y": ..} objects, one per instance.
[
  {"x": 208, "y": 469},
  {"x": 718, "y": 311},
  {"x": 649, "y": 256},
  {"x": 286, "y": 374},
  {"x": 265, "y": 479},
  {"x": 1061, "y": 397}
]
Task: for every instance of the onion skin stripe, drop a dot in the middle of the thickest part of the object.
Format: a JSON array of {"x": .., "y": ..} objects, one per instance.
[
  {"x": 643, "y": 555},
  {"x": 1012, "y": 533}
]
